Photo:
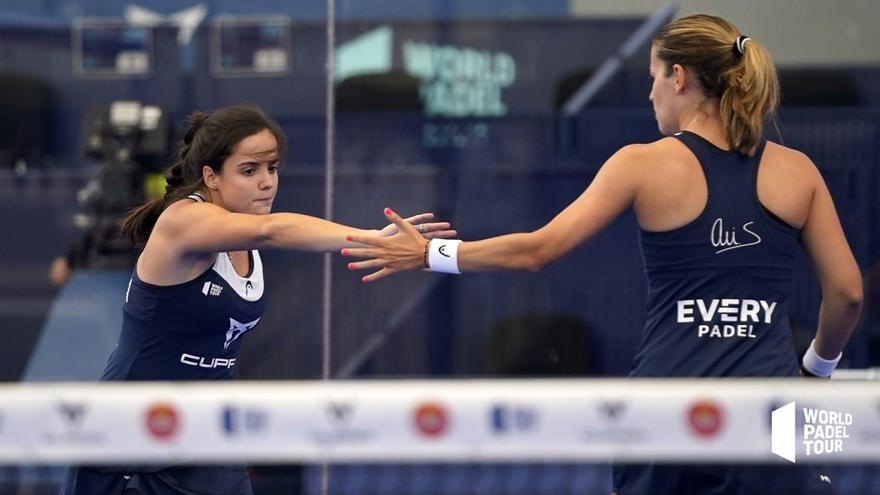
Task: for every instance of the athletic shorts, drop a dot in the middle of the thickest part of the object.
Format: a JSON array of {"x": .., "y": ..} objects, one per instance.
[
  {"x": 730, "y": 479},
  {"x": 173, "y": 480}
]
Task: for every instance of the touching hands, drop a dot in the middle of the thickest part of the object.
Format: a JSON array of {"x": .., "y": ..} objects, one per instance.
[
  {"x": 433, "y": 230},
  {"x": 404, "y": 248}
]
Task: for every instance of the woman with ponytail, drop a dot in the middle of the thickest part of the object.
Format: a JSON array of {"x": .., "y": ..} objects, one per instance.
[
  {"x": 197, "y": 286},
  {"x": 722, "y": 213}
]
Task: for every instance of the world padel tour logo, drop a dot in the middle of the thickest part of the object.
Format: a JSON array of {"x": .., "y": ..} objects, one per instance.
[
  {"x": 823, "y": 432},
  {"x": 431, "y": 419},
  {"x": 706, "y": 418},
  {"x": 162, "y": 421}
]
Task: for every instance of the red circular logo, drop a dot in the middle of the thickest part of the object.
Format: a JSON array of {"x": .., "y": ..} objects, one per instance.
[
  {"x": 431, "y": 419},
  {"x": 162, "y": 421},
  {"x": 706, "y": 418}
]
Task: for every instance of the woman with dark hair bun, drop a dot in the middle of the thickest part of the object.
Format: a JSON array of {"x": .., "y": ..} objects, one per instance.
[{"x": 197, "y": 286}]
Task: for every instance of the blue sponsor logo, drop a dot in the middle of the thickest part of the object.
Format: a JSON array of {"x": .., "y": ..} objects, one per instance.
[
  {"x": 237, "y": 420},
  {"x": 506, "y": 418}
]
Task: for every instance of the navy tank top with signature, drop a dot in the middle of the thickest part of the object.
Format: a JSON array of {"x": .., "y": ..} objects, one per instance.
[{"x": 719, "y": 287}]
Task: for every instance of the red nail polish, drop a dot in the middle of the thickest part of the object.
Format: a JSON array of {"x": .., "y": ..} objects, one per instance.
[
  {"x": 364, "y": 280},
  {"x": 348, "y": 238},
  {"x": 351, "y": 266},
  {"x": 387, "y": 211},
  {"x": 345, "y": 252}
]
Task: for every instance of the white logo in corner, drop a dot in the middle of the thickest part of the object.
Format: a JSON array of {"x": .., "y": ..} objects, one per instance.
[
  {"x": 237, "y": 329},
  {"x": 726, "y": 239},
  {"x": 824, "y": 432},
  {"x": 212, "y": 289}
]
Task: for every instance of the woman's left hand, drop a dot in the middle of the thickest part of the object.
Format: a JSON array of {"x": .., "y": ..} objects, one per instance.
[
  {"x": 429, "y": 230},
  {"x": 403, "y": 250}
]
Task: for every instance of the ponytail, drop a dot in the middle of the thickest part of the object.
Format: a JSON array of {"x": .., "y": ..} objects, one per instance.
[
  {"x": 733, "y": 68},
  {"x": 751, "y": 95},
  {"x": 139, "y": 223}
]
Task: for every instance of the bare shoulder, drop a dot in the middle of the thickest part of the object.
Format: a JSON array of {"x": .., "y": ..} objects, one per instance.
[
  {"x": 168, "y": 257},
  {"x": 647, "y": 155},
  {"x": 782, "y": 160},
  {"x": 181, "y": 214},
  {"x": 648, "y": 150},
  {"x": 665, "y": 158}
]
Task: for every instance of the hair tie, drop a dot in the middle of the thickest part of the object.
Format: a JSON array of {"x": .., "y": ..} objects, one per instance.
[{"x": 740, "y": 44}]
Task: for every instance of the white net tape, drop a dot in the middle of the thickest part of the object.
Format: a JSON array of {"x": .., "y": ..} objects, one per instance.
[{"x": 425, "y": 421}]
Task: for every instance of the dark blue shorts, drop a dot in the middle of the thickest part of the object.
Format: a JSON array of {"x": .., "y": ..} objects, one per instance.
[
  {"x": 174, "y": 480},
  {"x": 730, "y": 479}
]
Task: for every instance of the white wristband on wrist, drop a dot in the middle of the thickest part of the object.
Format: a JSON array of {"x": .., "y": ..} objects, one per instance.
[
  {"x": 443, "y": 255},
  {"x": 817, "y": 365}
]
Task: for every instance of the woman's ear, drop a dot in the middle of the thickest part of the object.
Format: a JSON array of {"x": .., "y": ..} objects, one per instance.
[
  {"x": 682, "y": 78},
  {"x": 209, "y": 177}
]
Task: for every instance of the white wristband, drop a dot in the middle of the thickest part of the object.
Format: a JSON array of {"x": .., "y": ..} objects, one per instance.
[
  {"x": 443, "y": 255},
  {"x": 818, "y": 366}
]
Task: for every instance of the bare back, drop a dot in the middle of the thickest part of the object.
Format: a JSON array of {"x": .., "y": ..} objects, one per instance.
[{"x": 673, "y": 189}]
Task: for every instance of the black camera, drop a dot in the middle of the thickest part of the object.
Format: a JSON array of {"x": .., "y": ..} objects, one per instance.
[{"x": 129, "y": 141}]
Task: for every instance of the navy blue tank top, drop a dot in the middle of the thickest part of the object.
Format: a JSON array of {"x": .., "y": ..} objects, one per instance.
[
  {"x": 189, "y": 331},
  {"x": 718, "y": 287}
]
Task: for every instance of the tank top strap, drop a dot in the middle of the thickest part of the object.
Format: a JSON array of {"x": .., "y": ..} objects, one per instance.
[{"x": 731, "y": 177}]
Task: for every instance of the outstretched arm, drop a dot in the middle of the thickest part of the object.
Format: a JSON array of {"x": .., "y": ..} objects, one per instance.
[
  {"x": 613, "y": 190},
  {"x": 204, "y": 227}
]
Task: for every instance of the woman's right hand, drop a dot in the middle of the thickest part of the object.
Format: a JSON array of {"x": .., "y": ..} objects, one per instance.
[
  {"x": 405, "y": 250},
  {"x": 429, "y": 230}
]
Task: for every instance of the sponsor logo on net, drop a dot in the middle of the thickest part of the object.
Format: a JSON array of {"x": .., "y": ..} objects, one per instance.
[
  {"x": 706, "y": 419},
  {"x": 512, "y": 418},
  {"x": 73, "y": 429},
  {"x": 612, "y": 425},
  {"x": 431, "y": 419},
  {"x": 238, "y": 421},
  {"x": 162, "y": 421},
  {"x": 339, "y": 417},
  {"x": 823, "y": 431}
]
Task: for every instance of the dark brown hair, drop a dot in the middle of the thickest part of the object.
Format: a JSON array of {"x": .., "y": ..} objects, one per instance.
[
  {"x": 746, "y": 83},
  {"x": 209, "y": 140}
]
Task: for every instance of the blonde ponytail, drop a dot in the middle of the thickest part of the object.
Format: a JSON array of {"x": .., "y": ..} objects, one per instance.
[
  {"x": 751, "y": 95},
  {"x": 735, "y": 69}
]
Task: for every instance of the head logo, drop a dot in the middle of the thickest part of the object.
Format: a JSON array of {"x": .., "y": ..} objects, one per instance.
[
  {"x": 611, "y": 427},
  {"x": 706, "y": 418},
  {"x": 612, "y": 410},
  {"x": 431, "y": 419},
  {"x": 72, "y": 412},
  {"x": 162, "y": 421},
  {"x": 74, "y": 430},
  {"x": 339, "y": 414},
  {"x": 341, "y": 425}
]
